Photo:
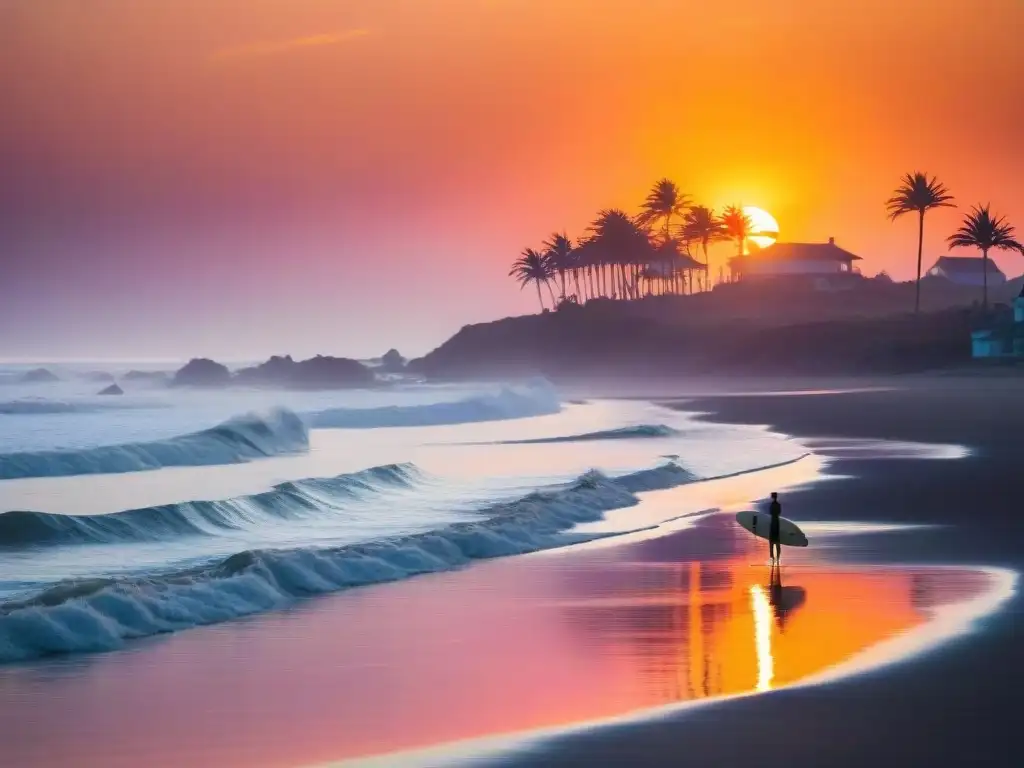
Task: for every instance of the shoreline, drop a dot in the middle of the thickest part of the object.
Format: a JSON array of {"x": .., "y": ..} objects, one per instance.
[
  {"x": 532, "y": 747},
  {"x": 519, "y": 629},
  {"x": 567, "y": 636},
  {"x": 951, "y": 705}
]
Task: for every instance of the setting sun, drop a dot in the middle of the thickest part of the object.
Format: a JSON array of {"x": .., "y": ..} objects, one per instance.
[{"x": 764, "y": 225}]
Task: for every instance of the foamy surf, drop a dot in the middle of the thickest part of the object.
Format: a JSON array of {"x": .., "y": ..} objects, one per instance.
[
  {"x": 99, "y": 614},
  {"x": 237, "y": 440},
  {"x": 295, "y": 501},
  {"x": 638, "y": 432},
  {"x": 536, "y": 398}
]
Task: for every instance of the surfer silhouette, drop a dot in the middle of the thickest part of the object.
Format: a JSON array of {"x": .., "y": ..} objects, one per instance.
[{"x": 774, "y": 543}]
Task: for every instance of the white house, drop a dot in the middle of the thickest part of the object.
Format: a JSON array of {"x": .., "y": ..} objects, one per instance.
[
  {"x": 807, "y": 259},
  {"x": 967, "y": 270}
]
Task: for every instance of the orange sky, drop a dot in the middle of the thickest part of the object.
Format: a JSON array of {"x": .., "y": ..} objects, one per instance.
[{"x": 322, "y": 142}]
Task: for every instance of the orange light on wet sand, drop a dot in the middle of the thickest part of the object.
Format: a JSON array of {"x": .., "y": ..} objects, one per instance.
[
  {"x": 761, "y": 608},
  {"x": 566, "y": 640}
]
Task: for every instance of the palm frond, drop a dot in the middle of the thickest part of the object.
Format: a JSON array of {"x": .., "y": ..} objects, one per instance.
[
  {"x": 703, "y": 226},
  {"x": 735, "y": 223},
  {"x": 984, "y": 230},
  {"x": 531, "y": 266},
  {"x": 918, "y": 193},
  {"x": 664, "y": 201}
]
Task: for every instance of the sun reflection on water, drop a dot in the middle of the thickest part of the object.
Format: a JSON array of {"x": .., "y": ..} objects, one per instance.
[{"x": 762, "y": 609}]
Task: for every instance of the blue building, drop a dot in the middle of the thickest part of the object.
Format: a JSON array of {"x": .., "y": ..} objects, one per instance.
[{"x": 1004, "y": 339}]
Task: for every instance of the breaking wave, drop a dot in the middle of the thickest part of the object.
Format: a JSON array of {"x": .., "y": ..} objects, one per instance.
[
  {"x": 235, "y": 441},
  {"x": 296, "y": 500},
  {"x": 622, "y": 433},
  {"x": 537, "y": 398},
  {"x": 101, "y": 614}
]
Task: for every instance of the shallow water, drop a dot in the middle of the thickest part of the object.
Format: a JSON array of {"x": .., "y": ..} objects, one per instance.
[
  {"x": 511, "y": 646},
  {"x": 149, "y": 534},
  {"x": 634, "y": 589}
]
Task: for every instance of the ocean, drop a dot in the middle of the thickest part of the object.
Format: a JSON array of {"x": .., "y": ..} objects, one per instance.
[{"x": 123, "y": 517}]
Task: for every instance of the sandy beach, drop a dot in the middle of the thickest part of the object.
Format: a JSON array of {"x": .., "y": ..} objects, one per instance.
[
  {"x": 472, "y": 665},
  {"x": 956, "y": 705}
]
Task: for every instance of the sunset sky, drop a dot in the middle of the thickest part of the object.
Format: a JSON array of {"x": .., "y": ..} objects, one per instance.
[{"x": 236, "y": 178}]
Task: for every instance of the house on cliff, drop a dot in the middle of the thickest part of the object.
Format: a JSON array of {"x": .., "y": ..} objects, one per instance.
[
  {"x": 1003, "y": 338},
  {"x": 967, "y": 270},
  {"x": 825, "y": 265}
]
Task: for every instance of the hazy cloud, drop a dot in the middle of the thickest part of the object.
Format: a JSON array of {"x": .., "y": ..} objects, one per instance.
[{"x": 285, "y": 46}]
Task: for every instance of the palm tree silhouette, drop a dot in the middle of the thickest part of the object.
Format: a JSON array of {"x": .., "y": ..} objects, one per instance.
[
  {"x": 663, "y": 202},
  {"x": 737, "y": 226},
  {"x": 703, "y": 227},
  {"x": 533, "y": 267},
  {"x": 558, "y": 251},
  {"x": 985, "y": 231},
  {"x": 618, "y": 241},
  {"x": 918, "y": 193}
]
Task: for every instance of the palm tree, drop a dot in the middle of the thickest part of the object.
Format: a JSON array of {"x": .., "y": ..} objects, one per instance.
[
  {"x": 533, "y": 267},
  {"x": 618, "y": 241},
  {"x": 918, "y": 193},
  {"x": 736, "y": 225},
  {"x": 703, "y": 227},
  {"x": 985, "y": 231},
  {"x": 663, "y": 202},
  {"x": 558, "y": 251}
]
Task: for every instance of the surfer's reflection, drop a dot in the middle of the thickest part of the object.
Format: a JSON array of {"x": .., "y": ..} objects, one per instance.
[{"x": 784, "y": 600}]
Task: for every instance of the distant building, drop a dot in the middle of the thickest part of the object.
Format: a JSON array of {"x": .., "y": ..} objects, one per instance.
[
  {"x": 1004, "y": 339},
  {"x": 824, "y": 262},
  {"x": 967, "y": 270}
]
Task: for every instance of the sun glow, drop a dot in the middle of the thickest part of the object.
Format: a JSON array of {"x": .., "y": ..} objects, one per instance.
[{"x": 766, "y": 229}]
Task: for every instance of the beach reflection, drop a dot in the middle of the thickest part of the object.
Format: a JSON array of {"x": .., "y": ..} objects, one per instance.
[
  {"x": 505, "y": 647},
  {"x": 761, "y": 608},
  {"x": 713, "y": 628}
]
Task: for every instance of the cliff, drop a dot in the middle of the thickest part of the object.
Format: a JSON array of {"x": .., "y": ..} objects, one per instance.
[{"x": 749, "y": 329}]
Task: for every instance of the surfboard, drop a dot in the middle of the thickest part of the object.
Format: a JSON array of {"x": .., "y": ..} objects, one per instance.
[{"x": 759, "y": 524}]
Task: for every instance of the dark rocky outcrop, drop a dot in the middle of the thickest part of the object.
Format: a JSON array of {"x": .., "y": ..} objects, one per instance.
[
  {"x": 202, "y": 372},
  {"x": 316, "y": 373},
  {"x": 281, "y": 372},
  {"x": 113, "y": 389},
  {"x": 332, "y": 373},
  {"x": 38, "y": 376},
  {"x": 392, "y": 362},
  {"x": 275, "y": 372}
]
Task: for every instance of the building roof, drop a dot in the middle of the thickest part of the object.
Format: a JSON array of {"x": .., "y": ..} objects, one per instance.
[
  {"x": 804, "y": 252},
  {"x": 966, "y": 265}
]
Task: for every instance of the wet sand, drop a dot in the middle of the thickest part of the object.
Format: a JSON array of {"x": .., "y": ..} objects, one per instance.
[
  {"x": 957, "y": 705},
  {"x": 557, "y": 640}
]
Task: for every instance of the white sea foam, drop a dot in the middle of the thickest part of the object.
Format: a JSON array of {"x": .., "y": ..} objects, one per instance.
[
  {"x": 639, "y": 431},
  {"x": 537, "y": 398},
  {"x": 292, "y": 501},
  {"x": 237, "y": 440},
  {"x": 98, "y": 614}
]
